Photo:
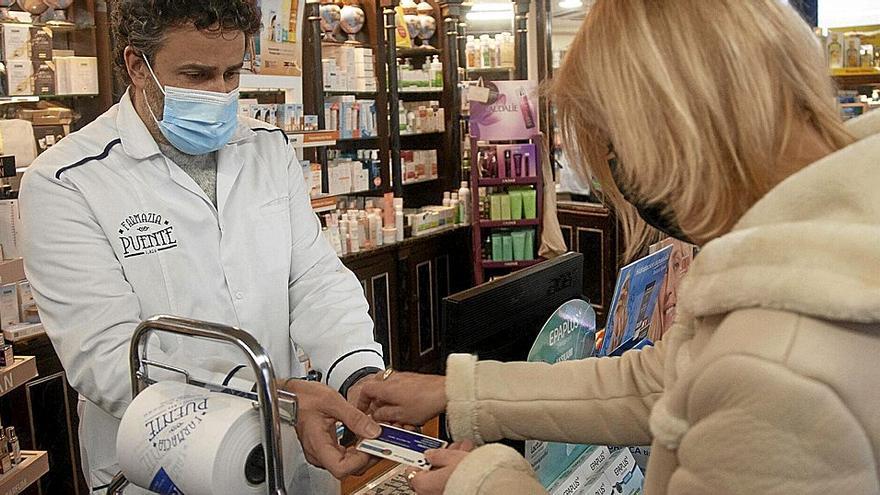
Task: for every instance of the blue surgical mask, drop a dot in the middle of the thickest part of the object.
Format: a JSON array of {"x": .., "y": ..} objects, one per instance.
[{"x": 196, "y": 122}]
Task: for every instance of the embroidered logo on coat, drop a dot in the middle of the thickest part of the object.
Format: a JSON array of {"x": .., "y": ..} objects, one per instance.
[{"x": 146, "y": 233}]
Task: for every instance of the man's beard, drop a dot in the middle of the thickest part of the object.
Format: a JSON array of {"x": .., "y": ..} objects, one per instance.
[{"x": 155, "y": 101}]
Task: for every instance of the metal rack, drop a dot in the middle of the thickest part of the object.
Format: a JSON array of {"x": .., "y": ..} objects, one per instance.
[{"x": 270, "y": 402}]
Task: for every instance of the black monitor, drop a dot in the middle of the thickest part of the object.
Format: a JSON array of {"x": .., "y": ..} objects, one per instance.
[{"x": 500, "y": 320}]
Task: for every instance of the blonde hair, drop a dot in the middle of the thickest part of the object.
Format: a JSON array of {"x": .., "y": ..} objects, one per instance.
[{"x": 699, "y": 100}]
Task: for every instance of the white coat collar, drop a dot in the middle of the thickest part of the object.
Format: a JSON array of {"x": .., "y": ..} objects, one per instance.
[{"x": 138, "y": 143}]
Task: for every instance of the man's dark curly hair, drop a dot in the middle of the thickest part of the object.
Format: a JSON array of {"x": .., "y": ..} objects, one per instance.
[{"x": 142, "y": 24}]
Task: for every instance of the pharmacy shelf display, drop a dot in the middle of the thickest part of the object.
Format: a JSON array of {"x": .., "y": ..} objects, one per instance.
[{"x": 32, "y": 464}]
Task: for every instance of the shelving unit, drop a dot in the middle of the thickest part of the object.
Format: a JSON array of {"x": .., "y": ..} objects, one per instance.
[
  {"x": 33, "y": 466},
  {"x": 313, "y": 139},
  {"x": 484, "y": 269},
  {"x": 853, "y": 78},
  {"x": 22, "y": 371}
]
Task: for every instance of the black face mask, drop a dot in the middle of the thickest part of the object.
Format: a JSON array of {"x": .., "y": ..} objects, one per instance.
[{"x": 654, "y": 215}]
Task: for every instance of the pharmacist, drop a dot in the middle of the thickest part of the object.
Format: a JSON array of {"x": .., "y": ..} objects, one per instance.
[{"x": 171, "y": 204}]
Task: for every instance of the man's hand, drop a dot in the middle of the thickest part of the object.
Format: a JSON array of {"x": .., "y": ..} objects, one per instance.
[
  {"x": 354, "y": 392},
  {"x": 443, "y": 464},
  {"x": 319, "y": 409},
  {"x": 403, "y": 398}
]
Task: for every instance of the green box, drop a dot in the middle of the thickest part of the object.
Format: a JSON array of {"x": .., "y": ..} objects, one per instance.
[
  {"x": 530, "y": 204},
  {"x": 520, "y": 238},
  {"x": 530, "y": 245},
  {"x": 497, "y": 247},
  {"x": 495, "y": 207},
  {"x": 507, "y": 242},
  {"x": 516, "y": 205},
  {"x": 505, "y": 207}
]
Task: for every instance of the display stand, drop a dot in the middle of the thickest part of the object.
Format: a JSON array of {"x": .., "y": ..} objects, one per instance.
[
  {"x": 485, "y": 268},
  {"x": 34, "y": 463}
]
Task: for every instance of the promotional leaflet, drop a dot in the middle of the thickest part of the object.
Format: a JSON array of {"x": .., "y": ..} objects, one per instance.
[
  {"x": 277, "y": 49},
  {"x": 635, "y": 297},
  {"x": 680, "y": 260},
  {"x": 504, "y": 110},
  {"x": 568, "y": 335}
]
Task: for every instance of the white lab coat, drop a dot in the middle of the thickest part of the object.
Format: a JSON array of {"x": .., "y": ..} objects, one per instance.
[{"x": 114, "y": 233}]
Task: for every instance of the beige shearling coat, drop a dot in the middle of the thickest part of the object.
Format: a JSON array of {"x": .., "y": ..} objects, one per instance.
[{"x": 769, "y": 383}]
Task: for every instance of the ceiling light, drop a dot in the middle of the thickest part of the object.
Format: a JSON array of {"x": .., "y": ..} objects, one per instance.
[
  {"x": 571, "y": 4},
  {"x": 491, "y": 12}
]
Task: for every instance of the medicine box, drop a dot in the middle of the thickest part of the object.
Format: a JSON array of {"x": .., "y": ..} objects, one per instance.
[
  {"x": 9, "y": 310},
  {"x": 16, "y": 42},
  {"x": 20, "y": 77},
  {"x": 41, "y": 44}
]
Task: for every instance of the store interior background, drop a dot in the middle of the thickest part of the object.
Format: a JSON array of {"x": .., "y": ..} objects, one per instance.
[{"x": 405, "y": 281}]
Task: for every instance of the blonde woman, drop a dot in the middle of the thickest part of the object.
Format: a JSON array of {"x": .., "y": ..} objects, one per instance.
[{"x": 722, "y": 118}]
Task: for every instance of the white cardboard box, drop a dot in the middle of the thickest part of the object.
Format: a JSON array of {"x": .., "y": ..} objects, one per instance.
[
  {"x": 20, "y": 77},
  {"x": 10, "y": 229},
  {"x": 16, "y": 42},
  {"x": 9, "y": 312}
]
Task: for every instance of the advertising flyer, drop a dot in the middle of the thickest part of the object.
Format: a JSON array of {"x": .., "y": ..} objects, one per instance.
[
  {"x": 504, "y": 110},
  {"x": 569, "y": 334},
  {"x": 635, "y": 296},
  {"x": 277, "y": 48}
]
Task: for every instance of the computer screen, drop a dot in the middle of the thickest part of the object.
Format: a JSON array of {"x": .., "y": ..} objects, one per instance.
[{"x": 500, "y": 320}]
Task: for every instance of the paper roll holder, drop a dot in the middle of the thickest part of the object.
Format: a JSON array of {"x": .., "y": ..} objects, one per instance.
[{"x": 273, "y": 405}]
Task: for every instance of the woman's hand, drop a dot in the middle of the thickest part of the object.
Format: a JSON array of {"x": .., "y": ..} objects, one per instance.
[
  {"x": 443, "y": 464},
  {"x": 404, "y": 398}
]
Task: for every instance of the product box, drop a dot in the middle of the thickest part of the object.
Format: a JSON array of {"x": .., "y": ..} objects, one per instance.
[
  {"x": 11, "y": 270},
  {"x": 7, "y": 357},
  {"x": 47, "y": 136},
  {"x": 44, "y": 79},
  {"x": 317, "y": 180},
  {"x": 10, "y": 232},
  {"x": 49, "y": 115},
  {"x": 41, "y": 44},
  {"x": 76, "y": 75},
  {"x": 9, "y": 310},
  {"x": 624, "y": 472},
  {"x": 22, "y": 331},
  {"x": 16, "y": 42},
  {"x": 20, "y": 77},
  {"x": 26, "y": 304},
  {"x": 572, "y": 481},
  {"x": 641, "y": 454}
]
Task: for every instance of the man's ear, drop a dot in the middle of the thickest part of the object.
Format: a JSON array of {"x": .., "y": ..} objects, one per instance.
[{"x": 137, "y": 68}]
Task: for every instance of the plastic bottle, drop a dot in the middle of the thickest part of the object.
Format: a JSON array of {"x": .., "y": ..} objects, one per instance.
[
  {"x": 493, "y": 51},
  {"x": 447, "y": 198},
  {"x": 471, "y": 51},
  {"x": 464, "y": 194},
  {"x": 499, "y": 41},
  {"x": 404, "y": 125},
  {"x": 454, "y": 203},
  {"x": 436, "y": 72},
  {"x": 398, "y": 218},
  {"x": 485, "y": 57},
  {"x": 507, "y": 50}
]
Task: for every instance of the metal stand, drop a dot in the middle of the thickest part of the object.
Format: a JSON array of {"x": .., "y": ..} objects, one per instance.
[{"x": 269, "y": 403}]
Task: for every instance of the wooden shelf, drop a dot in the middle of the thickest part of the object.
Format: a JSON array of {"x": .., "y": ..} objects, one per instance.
[
  {"x": 508, "y": 181},
  {"x": 420, "y": 94},
  {"x": 356, "y": 94},
  {"x": 373, "y": 141},
  {"x": 488, "y": 224},
  {"x": 34, "y": 464},
  {"x": 417, "y": 52},
  {"x": 422, "y": 134},
  {"x": 36, "y": 98},
  {"x": 420, "y": 181},
  {"x": 508, "y": 264},
  {"x": 11, "y": 377},
  {"x": 856, "y": 77},
  {"x": 313, "y": 139},
  {"x": 478, "y": 70}
]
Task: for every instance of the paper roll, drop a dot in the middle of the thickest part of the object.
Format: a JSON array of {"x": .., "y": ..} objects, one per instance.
[{"x": 180, "y": 439}]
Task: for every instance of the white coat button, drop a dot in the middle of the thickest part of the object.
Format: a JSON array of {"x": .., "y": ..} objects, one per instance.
[{"x": 239, "y": 295}]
